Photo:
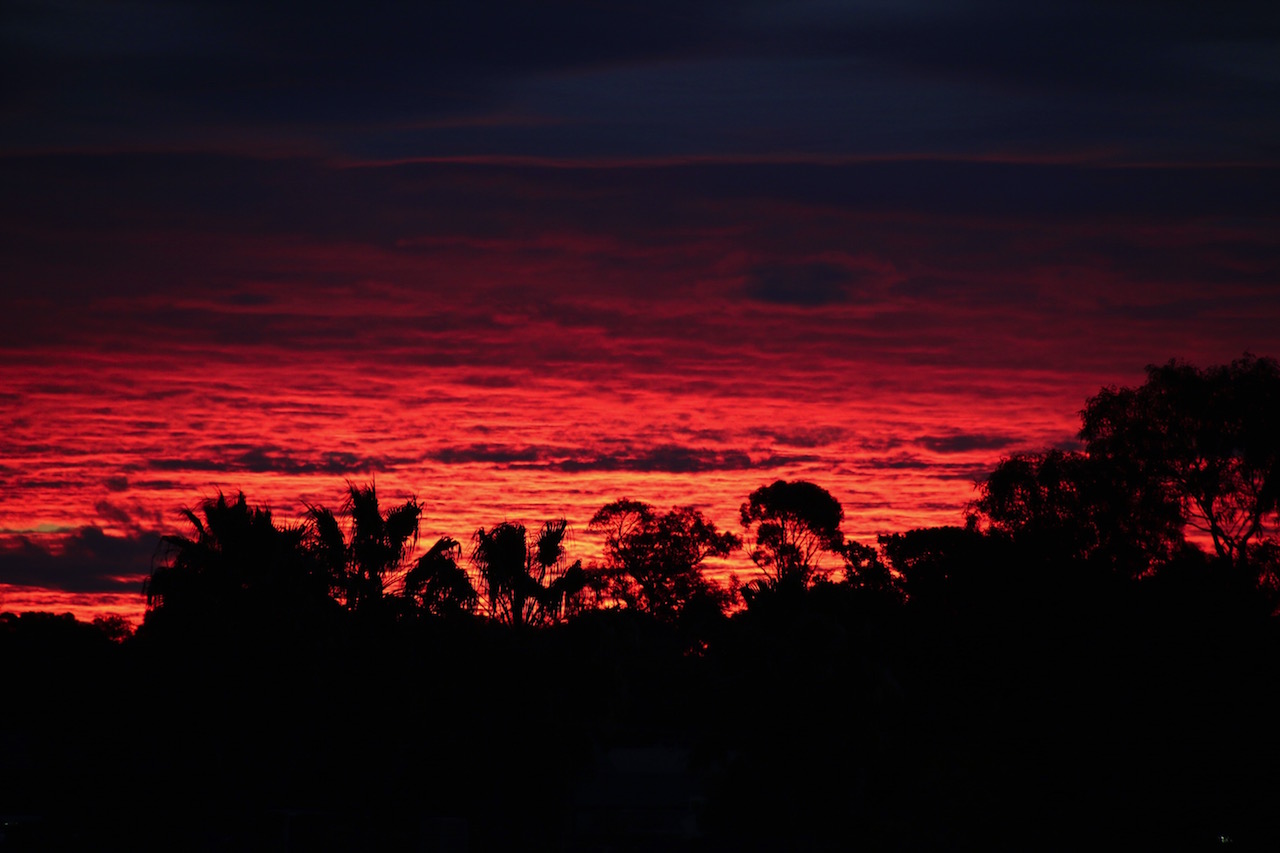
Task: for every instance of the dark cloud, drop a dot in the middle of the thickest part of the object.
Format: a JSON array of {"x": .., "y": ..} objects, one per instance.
[
  {"x": 676, "y": 460},
  {"x": 668, "y": 458},
  {"x": 114, "y": 513},
  {"x": 273, "y": 460},
  {"x": 486, "y": 454},
  {"x": 265, "y": 459},
  {"x": 566, "y": 79},
  {"x": 967, "y": 472},
  {"x": 489, "y": 380},
  {"x": 225, "y": 220},
  {"x": 250, "y": 300},
  {"x": 804, "y": 284},
  {"x": 88, "y": 560},
  {"x": 156, "y": 485},
  {"x": 191, "y": 67},
  {"x": 964, "y": 473},
  {"x": 671, "y": 459},
  {"x": 804, "y": 438},
  {"x": 900, "y": 463},
  {"x": 1039, "y": 47},
  {"x": 961, "y": 442}
]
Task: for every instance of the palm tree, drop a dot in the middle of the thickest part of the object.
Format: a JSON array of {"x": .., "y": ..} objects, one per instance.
[
  {"x": 523, "y": 584},
  {"x": 359, "y": 565},
  {"x": 437, "y": 584},
  {"x": 235, "y": 563}
]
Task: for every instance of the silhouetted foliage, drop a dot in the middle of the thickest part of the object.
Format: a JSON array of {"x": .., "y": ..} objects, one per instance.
[
  {"x": 793, "y": 523},
  {"x": 945, "y": 565},
  {"x": 864, "y": 570},
  {"x": 437, "y": 584},
  {"x": 654, "y": 560},
  {"x": 526, "y": 585},
  {"x": 1205, "y": 438},
  {"x": 1069, "y": 506},
  {"x": 43, "y": 631},
  {"x": 114, "y": 627},
  {"x": 237, "y": 567},
  {"x": 360, "y": 564}
]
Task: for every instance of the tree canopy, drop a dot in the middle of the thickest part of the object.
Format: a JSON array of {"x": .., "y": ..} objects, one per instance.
[
  {"x": 235, "y": 567},
  {"x": 655, "y": 559},
  {"x": 1206, "y": 439},
  {"x": 527, "y": 583},
  {"x": 437, "y": 584},
  {"x": 361, "y": 562},
  {"x": 793, "y": 523},
  {"x": 1076, "y": 507}
]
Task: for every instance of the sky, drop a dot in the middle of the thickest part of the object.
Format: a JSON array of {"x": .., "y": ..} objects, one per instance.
[{"x": 519, "y": 260}]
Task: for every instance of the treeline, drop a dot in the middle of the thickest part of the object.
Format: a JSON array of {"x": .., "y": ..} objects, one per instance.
[
  {"x": 1189, "y": 450},
  {"x": 239, "y": 571},
  {"x": 1089, "y": 659}
]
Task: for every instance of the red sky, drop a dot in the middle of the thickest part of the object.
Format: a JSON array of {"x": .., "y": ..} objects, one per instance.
[{"x": 673, "y": 261}]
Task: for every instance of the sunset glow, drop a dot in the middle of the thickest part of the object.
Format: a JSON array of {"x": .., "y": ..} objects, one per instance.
[{"x": 671, "y": 267}]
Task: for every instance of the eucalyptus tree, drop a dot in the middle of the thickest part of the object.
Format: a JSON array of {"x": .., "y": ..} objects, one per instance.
[
  {"x": 793, "y": 523},
  {"x": 1069, "y": 506},
  {"x": 866, "y": 570},
  {"x": 654, "y": 560},
  {"x": 1209, "y": 439}
]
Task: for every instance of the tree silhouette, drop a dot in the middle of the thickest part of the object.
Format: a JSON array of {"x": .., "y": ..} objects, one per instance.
[
  {"x": 526, "y": 585},
  {"x": 437, "y": 584},
  {"x": 946, "y": 565},
  {"x": 1209, "y": 438},
  {"x": 360, "y": 565},
  {"x": 792, "y": 522},
  {"x": 655, "y": 560},
  {"x": 236, "y": 565},
  {"x": 864, "y": 570},
  {"x": 1070, "y": 506},
  {"x": 114, "y": 627}
]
